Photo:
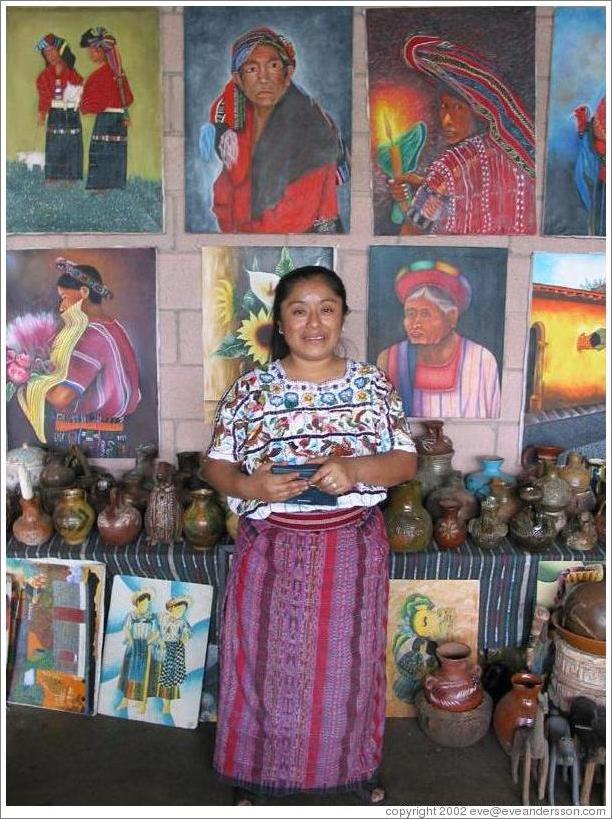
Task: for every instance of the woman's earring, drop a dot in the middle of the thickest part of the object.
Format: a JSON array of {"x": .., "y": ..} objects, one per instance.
[{"x": 280, "y": 331}]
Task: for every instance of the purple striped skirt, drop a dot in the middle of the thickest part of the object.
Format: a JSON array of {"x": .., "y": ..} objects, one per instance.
[{"x": 302, "y": 655}]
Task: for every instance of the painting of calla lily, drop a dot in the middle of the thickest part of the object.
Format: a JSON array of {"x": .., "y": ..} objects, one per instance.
[{"x": 238, "y": 286}]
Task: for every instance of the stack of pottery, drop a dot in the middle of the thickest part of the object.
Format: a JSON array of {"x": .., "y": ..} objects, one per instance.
[
  {"x": 435, "y": 457},
  {"x": 453, "y": 709},
  {"x": 518, "y": 708},
  {"x": 488, "y": 530},
  {"x": 408, "y": 524},
  {"x": 530, "y": 527},
  {"x": 480, "y": 482}
]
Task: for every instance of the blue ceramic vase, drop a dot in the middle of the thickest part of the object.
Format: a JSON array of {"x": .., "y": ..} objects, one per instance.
[{"x": 479, "y": 482}]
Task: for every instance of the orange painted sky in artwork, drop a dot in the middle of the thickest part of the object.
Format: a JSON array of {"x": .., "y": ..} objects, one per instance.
[{"x": 403, "y": 107}]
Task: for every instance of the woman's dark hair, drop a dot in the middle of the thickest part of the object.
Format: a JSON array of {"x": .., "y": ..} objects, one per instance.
[
  {"x": 143, "y": 596},
  {"x": 69, "y": 283},
  {"x": 66, "y": 55},
  {"x": 283, "y": 291}
]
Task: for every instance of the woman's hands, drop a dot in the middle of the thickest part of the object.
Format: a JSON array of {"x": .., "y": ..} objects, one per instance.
[
  {"x": 336, "y": 476},
  {"x": 271, "y": 488}
]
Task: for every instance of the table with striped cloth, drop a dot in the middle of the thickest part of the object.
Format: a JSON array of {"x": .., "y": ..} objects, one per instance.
[{"x": 507, "y": 575}]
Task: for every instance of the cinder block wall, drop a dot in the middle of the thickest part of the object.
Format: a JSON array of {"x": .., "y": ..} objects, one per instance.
[{"x": 179, "y": 264}]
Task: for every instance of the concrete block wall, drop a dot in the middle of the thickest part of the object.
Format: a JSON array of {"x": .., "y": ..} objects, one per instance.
[{"x": 179, "y": 263}]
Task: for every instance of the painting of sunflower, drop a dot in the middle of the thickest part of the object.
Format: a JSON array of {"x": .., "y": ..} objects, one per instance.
[{"x": 238, "y": 286}]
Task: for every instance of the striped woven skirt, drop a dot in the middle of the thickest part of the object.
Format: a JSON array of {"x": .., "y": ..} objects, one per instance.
[
  {"x": 108, "y": 152},
  {"x": 302, "y": 656},
  {"x": 64, "y": 144}
]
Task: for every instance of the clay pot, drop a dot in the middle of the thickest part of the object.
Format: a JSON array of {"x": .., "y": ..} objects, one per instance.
[
  {"x": 584, "y": 610},
  {"x": 508, "y": 503},
  {"x": 434, "y": 471},
  {"x": 576, "y": 473},
  {"x": 581, "y": 502},
  {"x": 518, "y": 708},
  {"x": 203, "y": 520},
  {"x": 57, "y": 473},
  {"x": 530, "y": 528},
  {"x": 581, "y": 533},
  {"x": 73, "y": 517},
  {"x": 456, "y": 685},
  {"x": 454, "y": 729},
  {"x": 479, "y": 482},
  {"x": 164, "y": 515},
  {"x": 531, "y": 460},
  {"x": 434, "y": 442},
  {"x": 454, "y": 489},
  {"x": 34, "y": 527},
  {"x": 135, "y": 494},
  {"x": 12, "y": 508},
  {"x": 556, "y": 493},
  {"x": 449, "y": 531},
  {"x": 144, "y": 466},
  {"x": 408, "y": 524},
  {"x": 119, "y": 523},
  {"x": 488, "y": 530}
]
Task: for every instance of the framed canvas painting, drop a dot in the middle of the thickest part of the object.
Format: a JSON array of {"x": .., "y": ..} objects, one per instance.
[
  {"x": 422, "y": 615},
  {"x": 575, "y": 183},
  {"x": 436, "y": 319},
  {"x": 83, "y": 135},
  {"x": 82, "y": 349},
  {"x": 565, "y": 370},
  {"x": 238, "y": 285},
  {"x": 451, "y": 106},
  {"x": 155, "y": 650},
  {"x": 268, "y": 119}
]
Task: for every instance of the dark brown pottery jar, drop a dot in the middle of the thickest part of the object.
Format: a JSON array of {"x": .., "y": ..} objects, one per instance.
[
  {"x": 56, "y": 476},
  {"x": 434, "y": 442},
  {"x": 576, "y": 473},
  {"x": 532, "y": 460},
  {"x": 530, "y": 528},
  {"x": 99, "y": 494},
  {"x": 449, "y": 531},
  {"x": 203, "y": 520},
  {"x": 164, "y": 515},
  {"x": 454, "y": 489},
  {"x": 135, "y": 494},
  {"x": 584, "y": 610},
  {"x": 34, "y": 527},
  {"x": 120, "y": 522},
  {"x": 488, "y": 530},
  {"x": 518, "y": 708},
  {"x": 144, "y": 467},
  {"x": 73, "y": 517},
  {"x": 508, "y": 503},
  {"x": 456, "y": 685},
  {"x": 408, "y": 523}
]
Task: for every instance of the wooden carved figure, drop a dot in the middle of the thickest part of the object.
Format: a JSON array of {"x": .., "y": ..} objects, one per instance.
[
  {"x": 562, "y": 751},
  {"x": 529, "y": 742}
]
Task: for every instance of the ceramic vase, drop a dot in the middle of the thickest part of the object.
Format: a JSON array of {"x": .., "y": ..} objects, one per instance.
[
  {"x": 203, "y": 520},
  {"x": 518, "y": 708},
  {"x": 532, "y": 463},
  {"x": 456, "y": 685},
  {"x": 134, "y": 493},
  {"x": 164, "y": 515},
  {"x": 434, "y": 442},
  {"x": 581, "y": 533},
  {"x": 479, "y": 482},
  {"x": 408, "y": 523},
  {"x": 556, "y": 492},
  {"x": 508, "y": 503},
  {"x": 449, "y": 530},
  {"x": 488, "y": 531},
  {"x": 433, "y": 471},
  {"x": 454, "y": 489},
  {"x": 73, "y": 517},
  {"x": 144, "y": 466},
  {"x": 530, "y": 528},
  {"x": 575, "y": 472},
  {"x": 34, "y": 527},
  {"x": 120, "y": 522}
]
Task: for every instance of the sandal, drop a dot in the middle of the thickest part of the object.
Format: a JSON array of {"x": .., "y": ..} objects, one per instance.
[{"x": 373, "y": 794}]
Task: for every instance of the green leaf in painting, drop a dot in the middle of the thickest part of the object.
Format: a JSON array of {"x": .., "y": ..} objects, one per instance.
[
  {"x": 11, "y": 389},
  {"x": 231, "y": 347},
  {"x": 285, "y": 264},
  {"x": 251, "y": 304}
]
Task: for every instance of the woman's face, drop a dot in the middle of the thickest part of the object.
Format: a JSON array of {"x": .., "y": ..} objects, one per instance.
[
  {"x": 143, "y": 604},
  {"x": 52, "y": 56},
  {"x": 425, "y": 322},
  {"x": 312, "y": 319},
  {"x": 96, "y": 54}
]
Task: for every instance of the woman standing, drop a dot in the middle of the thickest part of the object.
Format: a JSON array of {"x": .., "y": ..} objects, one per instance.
[
  {"x": 139, "y": 674},
  {"x": 59, "y": 87},
  {"x": 107, "y": 94},
  {"x": 175, "y": 631},
  {"x": 302, "y": 690}
]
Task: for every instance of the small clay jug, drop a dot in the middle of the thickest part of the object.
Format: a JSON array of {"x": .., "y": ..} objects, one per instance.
[
  {"x": 518, "y": 708},
  {"x": 456, "y": 685},
  {"x": 575, "y": 472},
  {"x": 203, "y": 520},
  {"x": 34, "y": 527},
  {"x": 530, "y": 528},
  {"x": 164, "y": 515},
  {"x": 73, "y": 517},
  {"x": 453, "y": 488},
  {"x": 449, "y": 530},
  {"x": 508, "y": 503},
  {"x": 581, "y": 533},
  {"x": 119, "y": 523},
  {"x": 434, "y": 442},
  {"x": 408, "y": 523},
  {"x": 135, "y": 493},
  {"x": 556, "y": 492},
  {"x": 488, "y": 530}
]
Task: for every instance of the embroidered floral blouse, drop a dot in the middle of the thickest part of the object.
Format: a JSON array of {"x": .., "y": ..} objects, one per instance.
[{"x": 266, "y": 416}]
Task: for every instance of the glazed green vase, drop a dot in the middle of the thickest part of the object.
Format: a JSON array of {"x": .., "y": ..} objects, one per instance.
[
  {"x": 408, "y": 523},
  {"x": 203, "y": 520}
]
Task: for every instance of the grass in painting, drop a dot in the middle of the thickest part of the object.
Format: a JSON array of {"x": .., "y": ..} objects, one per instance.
[{"x": 36, "y": 206}]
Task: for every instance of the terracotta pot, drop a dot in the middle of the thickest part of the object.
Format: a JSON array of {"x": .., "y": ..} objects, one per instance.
[
  {"x": 34, "y": 527},
  {"x": 576, "y": 473},
  {"x": 454, "y": 489},
  {"x": 584, "y": 610},
  {"x": 408, "y": 524},
  {"x": 518, "y": 708},
  {"x": 456, "y": 685},
  {"x": 73, "y": 517},
  {"x": 119, "y": 523},
  {"x": 434, "y": 442},
  {"x": 488, "y": 530},
  {"x": 203, "y": 520},
  {"x": 449, "y": 531},
  {"x": 454, "y": 729}
]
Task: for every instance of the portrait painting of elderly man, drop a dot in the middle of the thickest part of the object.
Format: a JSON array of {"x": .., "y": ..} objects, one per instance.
[
  {"x": 452, "y": 120},
  {"x": 81, "y": 350},
  {"x": 436, "y": 326},
  {"x": 268, "y": 108}
]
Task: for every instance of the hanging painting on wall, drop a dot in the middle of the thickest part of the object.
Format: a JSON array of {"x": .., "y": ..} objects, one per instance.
[
  {"x": 565, "y": 373},
  {"x": 268, "y": 119},
  {"x": 83, "y": 138},
  {"x": 423, "y": 614},
  {"x": 238, "y": 285},
  {"x": 575, "y": 188},
  {"x": 82, "y": 349},
  {"x": 154, "y": 650},
  {"x": 436, "y": 320},
  {"x": 452, "y": 101}
]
